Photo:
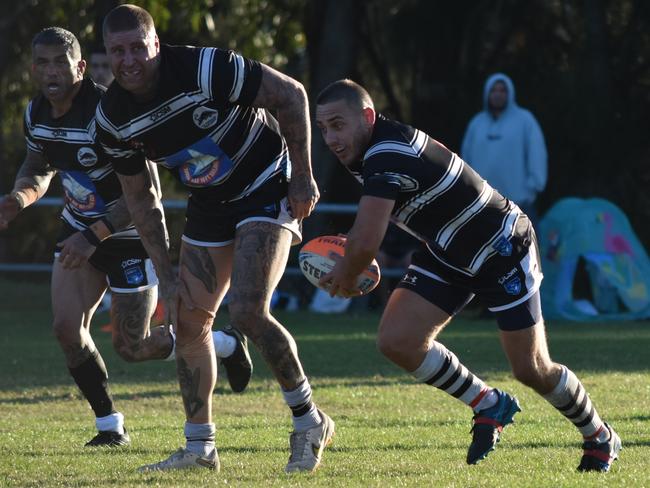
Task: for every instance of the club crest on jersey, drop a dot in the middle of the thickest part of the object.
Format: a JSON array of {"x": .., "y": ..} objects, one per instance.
[
  {"x": 86, "y": 156},
  {"x": 503, "y": 246},
  {"x": 204, "y": 117},
  {"x": 202, "y": 164}
]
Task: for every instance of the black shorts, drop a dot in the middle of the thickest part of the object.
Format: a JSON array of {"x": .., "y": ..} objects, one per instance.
[
  {"x": 508, "y": 285},
  {"x": 125, "y": 262},
  {"x": 213, "y": 224}
]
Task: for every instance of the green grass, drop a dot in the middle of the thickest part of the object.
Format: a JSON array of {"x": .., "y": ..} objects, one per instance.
[{"x": 390, "y": 431}]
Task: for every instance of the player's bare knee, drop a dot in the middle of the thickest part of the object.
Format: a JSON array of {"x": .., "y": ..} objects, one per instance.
[
  {"x": 128, "y": 352},
  {"x": 249, "y": 318},
  {"x": 194, "y": 331},
  {"x": 65, "y": 333}
]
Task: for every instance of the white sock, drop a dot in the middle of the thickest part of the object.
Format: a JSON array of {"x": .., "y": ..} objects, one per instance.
[
  {"x": 571, "y": 399},
  {"x": 199, "y": 438},
  {"x": 490, "y": 399},
  {"x": 224, "y": 344},
  {"x": 111, "y": 423},
  {"x": 172, "y": 354}
]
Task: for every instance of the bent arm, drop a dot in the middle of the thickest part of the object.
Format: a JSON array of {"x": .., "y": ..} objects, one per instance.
[
  {"x": 288, "y": 97},
  {"x": 119, "y": 217},
  {"x": 362, "y": 244},
  {"x": 33, "y": 179},
  {"x": 148, "y": 217},
  {"x": 31, "y": 183}
]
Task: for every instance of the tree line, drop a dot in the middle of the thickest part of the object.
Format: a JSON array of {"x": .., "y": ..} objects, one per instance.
[{"x": 581, "y": 66}]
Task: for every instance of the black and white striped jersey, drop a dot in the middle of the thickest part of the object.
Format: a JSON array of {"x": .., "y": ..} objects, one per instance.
[
  {"x": 447, "y": 205},
  {"x": 200, "y": 125},
  {"x": 68, "y": 145}
]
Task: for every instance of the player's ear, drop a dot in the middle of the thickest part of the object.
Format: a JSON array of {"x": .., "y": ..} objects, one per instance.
[
  {"x": 369, "y": 115},
  {"x": 81, "y": 67}
]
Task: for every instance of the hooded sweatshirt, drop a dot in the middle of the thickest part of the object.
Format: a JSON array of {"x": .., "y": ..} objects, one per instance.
[{"x": 508, "y": 151}]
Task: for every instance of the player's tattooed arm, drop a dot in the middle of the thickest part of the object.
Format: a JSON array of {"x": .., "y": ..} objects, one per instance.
[
  {"x": 32, "y": 181},
  {"x": 288, "y": 97},
  {"x": 148, "y": 217}
]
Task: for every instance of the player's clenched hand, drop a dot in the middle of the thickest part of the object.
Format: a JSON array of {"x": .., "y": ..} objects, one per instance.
[
  {"x": 303, "y": 195},
  {"x": 75, "y": 251},
  {"x": 9, "y": 208},
  {"x": 173, "y": 293}
]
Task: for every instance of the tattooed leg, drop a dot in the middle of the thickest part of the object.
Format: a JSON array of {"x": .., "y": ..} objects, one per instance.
[
  {"x": 260, "y": 256},
  {"x": 132, "y": 339},
  {"x": 205, "y": 273}
]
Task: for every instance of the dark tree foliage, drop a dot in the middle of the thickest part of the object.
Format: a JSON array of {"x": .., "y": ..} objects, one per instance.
[{"x": 581, "y": 66}]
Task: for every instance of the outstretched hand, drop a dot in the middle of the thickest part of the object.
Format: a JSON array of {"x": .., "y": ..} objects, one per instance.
[
  {"x": 9, "y": 208},
  {"x": 75, "y": 251}
]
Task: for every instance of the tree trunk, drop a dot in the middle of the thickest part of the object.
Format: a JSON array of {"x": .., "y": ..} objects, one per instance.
[{"x": 333, "y": 42}]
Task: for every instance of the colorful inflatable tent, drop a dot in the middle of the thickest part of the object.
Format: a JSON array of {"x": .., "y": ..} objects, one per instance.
[{"x": 594, "y": 266}]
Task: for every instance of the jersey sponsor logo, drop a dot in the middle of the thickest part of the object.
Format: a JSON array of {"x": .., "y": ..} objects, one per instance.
[
  {"x": 80, "y": 193},
  {"x": 130, "y": 262},
  {"x": 59, "y": 133},
  {"x": 160, "y": 113},
  {"x": 202, "y": 164},
  {"x": 204, "y": 117},
  {"x": 409, "y": 279},
  {"x": 503, "y": 246},
  {"x": 86, "y": 156},
  {"x": 510, "y": 282}
]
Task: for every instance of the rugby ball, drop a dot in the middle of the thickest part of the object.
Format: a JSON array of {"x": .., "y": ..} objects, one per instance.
[{"x": 318, "y": 257}]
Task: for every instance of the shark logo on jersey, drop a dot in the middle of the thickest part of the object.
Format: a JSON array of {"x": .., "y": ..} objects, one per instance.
[
  {"x": 86, "y": 156},
  {"x": 406, "y": 182},
  {"x": 80, "y": 193},
  {"x": 202, "y": 164},
  {"x": 204, "y": 117}
]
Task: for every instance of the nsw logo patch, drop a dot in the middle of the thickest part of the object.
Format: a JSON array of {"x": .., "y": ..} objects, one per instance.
[{"x": 503, "y": 246}]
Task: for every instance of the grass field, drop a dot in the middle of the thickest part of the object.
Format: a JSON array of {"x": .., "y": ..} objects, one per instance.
[{"x": 390, "y": 431}]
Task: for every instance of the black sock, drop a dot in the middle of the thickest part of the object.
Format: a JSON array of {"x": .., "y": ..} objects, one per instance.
[{"x": 92, "y": 379}]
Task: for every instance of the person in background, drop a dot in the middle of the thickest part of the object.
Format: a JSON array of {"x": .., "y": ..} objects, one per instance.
[
  {"x": 100, "y": 69},
  {"x": 505, "y": 145}
]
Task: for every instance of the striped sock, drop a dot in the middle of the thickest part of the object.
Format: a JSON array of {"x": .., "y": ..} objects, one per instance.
[
  {"x": 305, "y": 414},
  {"x": 572, "y": 400},
  {"x": 199, "y": 438},
  {"x": 442, "y": 369}
]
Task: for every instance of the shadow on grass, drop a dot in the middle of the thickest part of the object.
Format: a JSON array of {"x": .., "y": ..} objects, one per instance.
[{"x": 340, "y": 348}]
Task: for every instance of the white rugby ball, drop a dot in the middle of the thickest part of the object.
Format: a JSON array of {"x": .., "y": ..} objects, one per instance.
[{"x": 318, "y": 257}]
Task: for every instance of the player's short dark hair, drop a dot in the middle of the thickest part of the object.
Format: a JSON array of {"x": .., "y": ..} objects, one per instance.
[
  {"x": 57, "y": 36},
  {"x": 354, "y": 94},
  {"x": 127, "y": 17}
]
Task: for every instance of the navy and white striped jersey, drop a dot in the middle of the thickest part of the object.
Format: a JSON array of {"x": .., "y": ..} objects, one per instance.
[
  {"x": 68, "y": 145},
  {"x": 200, "y": 125},
  {"x": 447, "y": 205}
]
